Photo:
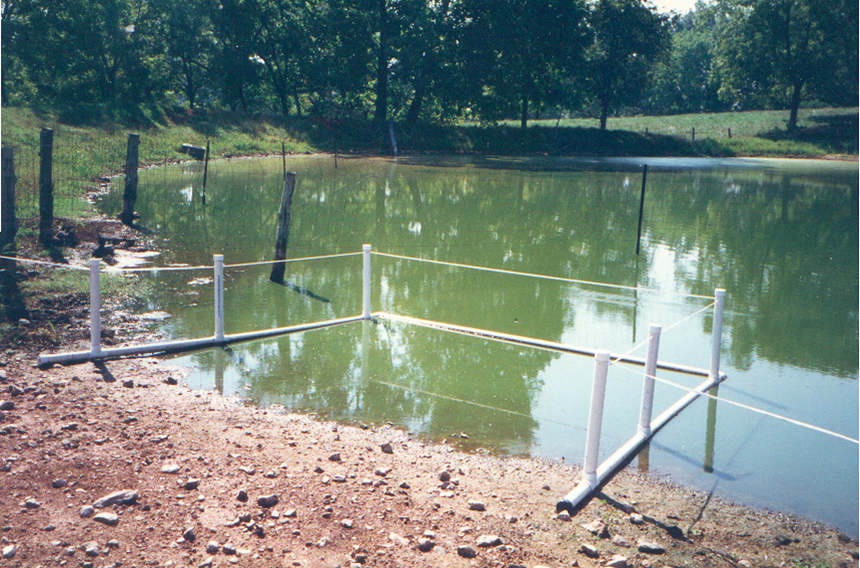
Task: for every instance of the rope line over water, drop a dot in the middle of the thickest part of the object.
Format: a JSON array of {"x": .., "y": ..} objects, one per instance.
[
  {"x": 794, "y": 421},
  {"x": 542, "y": 276}
]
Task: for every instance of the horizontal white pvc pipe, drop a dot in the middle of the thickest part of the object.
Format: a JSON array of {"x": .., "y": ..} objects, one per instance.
[
  {"x": 616, "y": 358},
  {"x": 183, "y": 345},
  {"x": 616, "y": 461}
]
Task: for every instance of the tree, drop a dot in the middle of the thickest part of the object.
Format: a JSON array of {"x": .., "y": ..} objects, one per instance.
[
  {"x": 629, "y": 38},
  {"x": 684, "y": 81},
  {"x": 779, "y": 52},
  {"x": 523, "y": 52},
  {"x": 190, "y": 44}
]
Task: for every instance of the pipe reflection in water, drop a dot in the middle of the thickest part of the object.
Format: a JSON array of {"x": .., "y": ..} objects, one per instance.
[
  {"x": 219, "y": 369},
  {"x": 711, "y": 430},
  {"x": 644, "y": 458}
]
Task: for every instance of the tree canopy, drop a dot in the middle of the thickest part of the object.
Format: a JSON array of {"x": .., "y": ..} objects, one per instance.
[{"x": 432, "y": 60}]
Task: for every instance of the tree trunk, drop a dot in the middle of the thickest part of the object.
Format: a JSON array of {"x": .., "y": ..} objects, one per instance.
[
  {"x": 381, "y": 111},
  {"x": 797, "y": 89},
  {"x": 415, "y": 106},
  {"x": 604, "y": 114},
  {"x": 524, "y": 113},
  {"x": 298, "y": 104}
]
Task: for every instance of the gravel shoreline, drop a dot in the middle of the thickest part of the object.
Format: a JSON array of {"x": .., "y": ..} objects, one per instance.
[{"x": 211, "y": 482}]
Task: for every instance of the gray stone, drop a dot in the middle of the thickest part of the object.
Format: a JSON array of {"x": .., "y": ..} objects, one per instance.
[
  {"x": 113, "y": 543},
  {"x": 597, "y": 527},
  {"x": 425, "y": 544},
  {"x": 637, "y": 518},
  {"x": 170, "y": 468},
  {"x": 563, "y": 516},
  {"x": 619, "y": 540},
  {"x": 7, "y": 405},
  {"x": 488, "y": 541},
  {"x": 107, "y": 518},
  {"x": 31, "y": 503},
  {"x": 398, "y": 539},
  {"x": 617, "y": 561},
  {"x": 477, "y": 506},
  {"x": 386, "y": 448},
  {"x": 58, "y": 483},
  {"x": 347, "y": 523},
  {"x": 290, "y": 513},
  {"x": 2, "y": 416},
  {"x": 444, "y": 476},
  {"x": 191, "y": 483},
  {"x": 212, "y": 547},
  {"x": 589, "y": 551},
  {"x": 207, "y": 563},
  {"x": 87, "y": 511},
  {"x": 334, "y": 457},
  {"x": 189, "y": 534},
  {"x": 229, "y": 549},
  {"x": 91, "y": 549},
  {"x": 649, "y": 547},
  {"x": 267, "y": 501},
  {"x": 382, "y": 471},
  {"x": 124, "y": 497},
  {"x": 129, "y": 384},
  {"x": 9, "y": 551},
  {"x": 467, "y": 551}
]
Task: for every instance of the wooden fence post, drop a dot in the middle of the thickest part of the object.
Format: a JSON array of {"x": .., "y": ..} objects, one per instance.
[
  {"x": 283, "y": 228},
  {"x": 130, "y": 194},
  {"x": 46, "y": 185},
  {"x": 8, "y": 221}
]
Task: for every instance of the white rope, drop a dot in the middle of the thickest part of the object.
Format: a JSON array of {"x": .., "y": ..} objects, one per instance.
[
  {"x": 262, "y": 262},
  {"x": 647, "y": 339},
  {"x": 542, "y": 276},
  {"x": 754, "y": 409}
]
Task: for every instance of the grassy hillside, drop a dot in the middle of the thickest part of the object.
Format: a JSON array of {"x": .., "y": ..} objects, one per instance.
[{"x": 90, "y": 140}]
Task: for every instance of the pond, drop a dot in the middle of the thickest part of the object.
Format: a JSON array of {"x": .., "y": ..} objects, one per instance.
[{"x": 780, "y": 236}]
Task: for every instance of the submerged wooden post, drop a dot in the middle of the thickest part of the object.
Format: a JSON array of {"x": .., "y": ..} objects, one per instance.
[
  {"x": 641, "y": 207},
  {"x": 283, "y": 228},
  {"x": 130, "y": 195},
  {"x": 46, "y": 185},
  {"x": 8, "y": 223}
]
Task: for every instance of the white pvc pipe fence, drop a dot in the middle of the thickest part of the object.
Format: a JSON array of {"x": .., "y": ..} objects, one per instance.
[{"x": 593, "y": 476}]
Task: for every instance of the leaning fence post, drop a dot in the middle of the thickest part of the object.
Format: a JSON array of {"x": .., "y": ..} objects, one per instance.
[
  {"x": 95, "y": 308},
  {"x": 130, "y": 194},
  {"x": 8, "y": 222},
  {"x": 648, "y": 381},
  {"x": 365, "y": 283},
  {"x": 719, "y": 304},
  {"x": 283, "y": 235},
  {"x": 219, "y": 297},
  {"x": 46, "y": 185},
  {"x": 595, "y": 417}
]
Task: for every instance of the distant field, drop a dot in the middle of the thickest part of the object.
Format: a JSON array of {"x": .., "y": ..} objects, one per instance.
[{"x": 715, "y": 125}]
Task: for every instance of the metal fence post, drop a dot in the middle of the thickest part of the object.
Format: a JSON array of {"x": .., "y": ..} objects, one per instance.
[
  {"x": 219, "y": 297},
  {"x": 719, "y": 304},
  {"x": 595, "y": 417},
  {"x": 95, "y": 308},
  {"x": 365, "y": 288},
  {"x": 648, "y": 380},
  {"x": 46, "y": 186}
]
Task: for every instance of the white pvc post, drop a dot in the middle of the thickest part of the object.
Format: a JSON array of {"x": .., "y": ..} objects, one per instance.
[
  {"x": 219, "y": 297},
  {"x": 95, "y": 308},
  {"x": 648, "y": 381},
  {"x": 719, "y": 303},
  {"x": 595, "y": 417},
  {"x": 365, "y": 289}
]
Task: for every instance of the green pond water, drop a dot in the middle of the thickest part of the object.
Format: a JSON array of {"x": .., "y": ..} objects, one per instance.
[{"x": 780, "y": 236}]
